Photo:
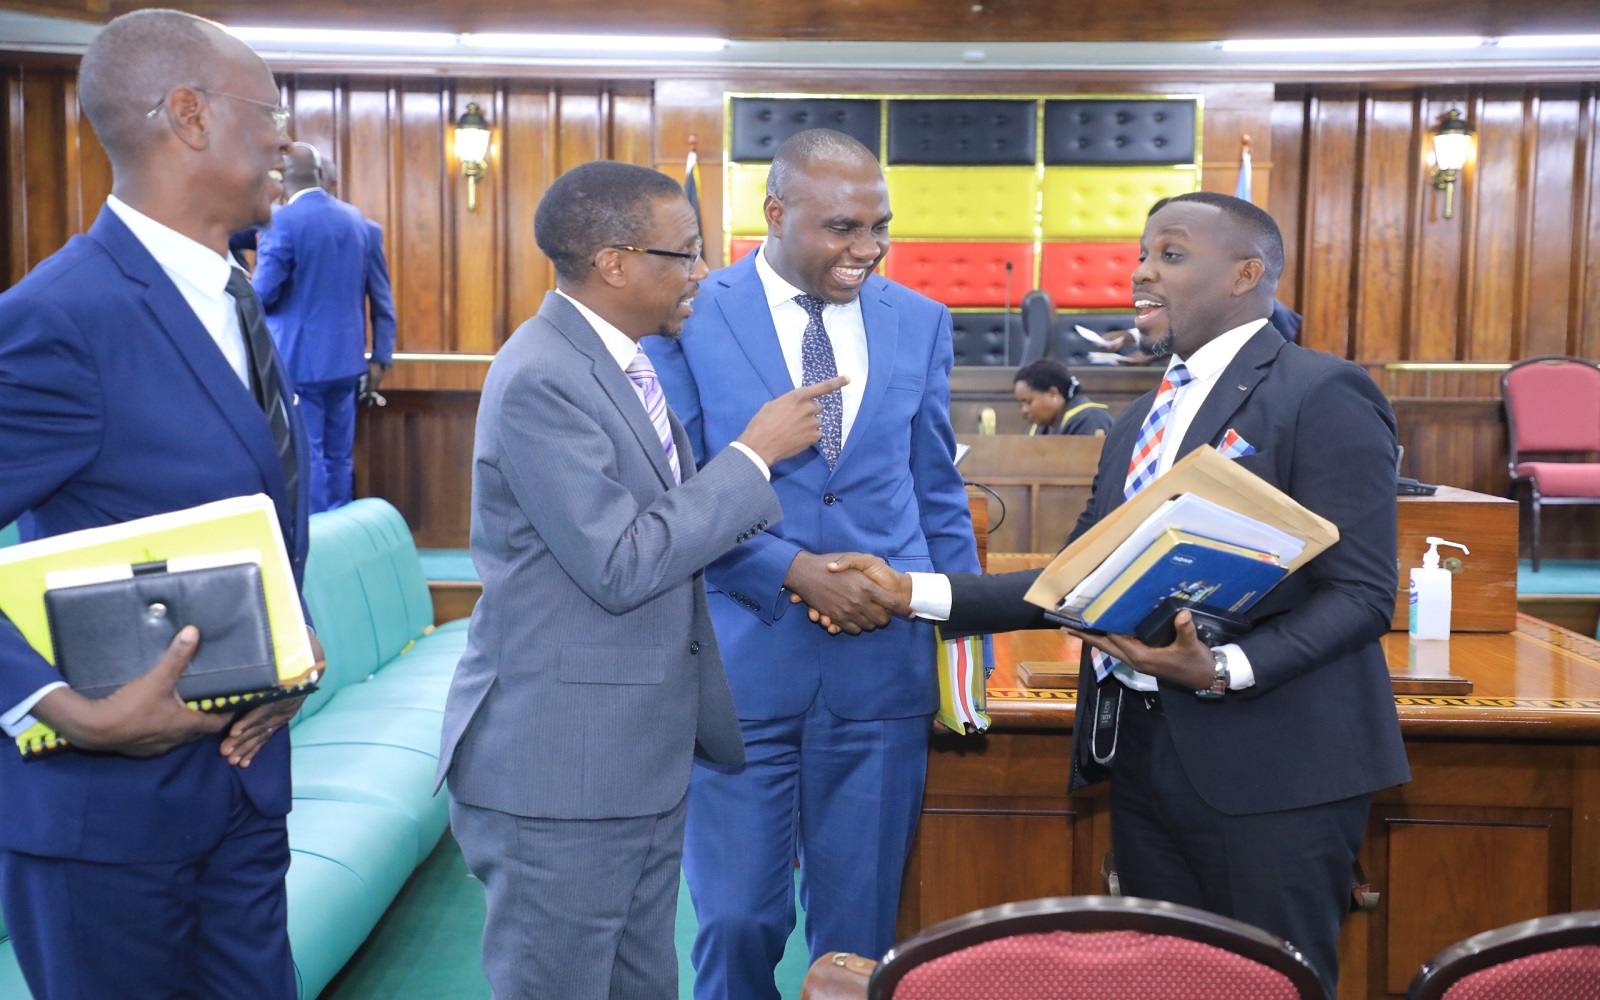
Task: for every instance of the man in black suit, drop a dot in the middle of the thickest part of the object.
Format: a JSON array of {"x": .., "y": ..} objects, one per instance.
[{"x": 1243, "y": 774}]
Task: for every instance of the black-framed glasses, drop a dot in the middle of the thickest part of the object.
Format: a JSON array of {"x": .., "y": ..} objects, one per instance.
[
  {"x": 280, "y": 115},
  {"x": 693, "y": 258}
]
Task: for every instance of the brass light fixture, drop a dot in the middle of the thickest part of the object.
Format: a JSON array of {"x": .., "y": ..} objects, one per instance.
[
  {"x": 1452, "y": 144},
  {"x": 472, "y": 149}
]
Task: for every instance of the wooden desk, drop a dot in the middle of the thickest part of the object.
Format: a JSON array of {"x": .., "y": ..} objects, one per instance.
[{"x": 1501, "y": 821}]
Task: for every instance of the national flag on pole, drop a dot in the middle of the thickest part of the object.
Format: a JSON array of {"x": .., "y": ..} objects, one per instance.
[
  {"x": 1241, "y": 189},
  {"x": 691, "y": 187}
]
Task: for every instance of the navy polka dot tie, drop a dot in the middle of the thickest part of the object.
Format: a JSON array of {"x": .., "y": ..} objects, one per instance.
[{"x": 817, "y": 364}]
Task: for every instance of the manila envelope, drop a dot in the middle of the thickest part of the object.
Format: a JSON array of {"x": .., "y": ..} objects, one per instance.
[{"x": 1205, "y": 473}]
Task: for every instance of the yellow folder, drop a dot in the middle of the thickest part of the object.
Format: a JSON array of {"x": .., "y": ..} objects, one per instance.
[{"x": 241, "y": 526}]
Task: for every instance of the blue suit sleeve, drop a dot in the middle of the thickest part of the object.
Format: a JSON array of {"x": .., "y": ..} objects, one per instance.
[
  {"x": 51, "y": 423},
  {"x": 380, "y": 297},
  {"x": 274, "y": 263},
  {"x": 753, "y": 573},
  {"x": 941, "y": 494}
]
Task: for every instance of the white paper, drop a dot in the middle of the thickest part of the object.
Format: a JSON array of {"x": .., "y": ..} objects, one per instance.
[{"x": 1092, "y": 337}]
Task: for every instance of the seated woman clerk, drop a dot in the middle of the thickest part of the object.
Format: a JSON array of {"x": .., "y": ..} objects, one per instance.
[{"x": 1053, "y": 403}]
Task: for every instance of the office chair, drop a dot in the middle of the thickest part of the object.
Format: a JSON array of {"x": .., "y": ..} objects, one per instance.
[
  {"x": 1038, "y": 324},
  {"x": 1549, "y": 958},
  {"x": 1553, "y": 408}
]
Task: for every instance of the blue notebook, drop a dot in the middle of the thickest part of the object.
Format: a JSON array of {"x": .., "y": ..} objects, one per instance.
[{"x": 1180, "y": 564}]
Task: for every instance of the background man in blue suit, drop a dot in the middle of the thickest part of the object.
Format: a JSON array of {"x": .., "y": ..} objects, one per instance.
[
  {"x": 130, "y": 385},
  {"x": 315, "y": 274},
  {"x": 835, "y": 729}
]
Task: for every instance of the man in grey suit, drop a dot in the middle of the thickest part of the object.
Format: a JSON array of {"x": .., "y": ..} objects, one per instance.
[{"x": 592, "y": 675}]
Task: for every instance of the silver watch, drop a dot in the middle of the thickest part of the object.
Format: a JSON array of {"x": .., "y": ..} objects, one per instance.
[{"x": 1219, "y": 680}]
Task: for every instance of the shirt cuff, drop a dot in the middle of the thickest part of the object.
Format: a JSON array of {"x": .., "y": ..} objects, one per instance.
[
  {"x": 18, "y": 720},
  {"x": 1240, "y": 673},
  {"x": 930, "y": 596},
  {"x": 765, "y": 472}
]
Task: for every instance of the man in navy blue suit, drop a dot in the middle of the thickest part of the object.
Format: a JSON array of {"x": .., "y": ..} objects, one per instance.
[
  {"x": 835, "y": 729},
  {"x": 137, "y": 379},
  {"x": 314, "y": 274}
]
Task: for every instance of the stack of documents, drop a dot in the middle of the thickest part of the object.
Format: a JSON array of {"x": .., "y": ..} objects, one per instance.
[
  {"x": 235, "y": 541},
  {"x": 1207, "y": 531}
]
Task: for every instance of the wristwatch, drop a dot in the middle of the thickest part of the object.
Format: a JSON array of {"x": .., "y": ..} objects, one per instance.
[{"x": 1219, "y": 680}]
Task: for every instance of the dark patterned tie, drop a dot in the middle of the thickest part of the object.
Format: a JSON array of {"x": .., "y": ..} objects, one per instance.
[
  {"x": 265, "y": 379},
  {"x": 817, "y": 364}
]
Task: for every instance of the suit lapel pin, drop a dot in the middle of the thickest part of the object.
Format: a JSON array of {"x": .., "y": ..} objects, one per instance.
[{"x": 1243, "y": 387}]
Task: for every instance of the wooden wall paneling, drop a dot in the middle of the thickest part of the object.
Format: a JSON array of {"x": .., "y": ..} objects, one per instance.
[
  {"x": 694, "y": 107},
  {"x": 1436, "y": 308},
  {"x": 1389, "y": 179},
  {"x": 1586, "y": 325},
  {"x": 630, "y": 129},
  {"x": 580, "y": 137},
  {"x": 1554, "y": 226},
  {"x": 14, "y": 196},
  {"x": 476, "y": 296},
  {"x": 1286, "y": 199},
  {"x": 315, "y": 102},
  {"x": 43, "y": 136},
  {"x": 1496, "y": 317},
  {"x": 1331, "y": 149},
  {"x": 423, "y": 248},
  {"x": 527, "y": 142},
  {"x": 1222, "y": 129}
]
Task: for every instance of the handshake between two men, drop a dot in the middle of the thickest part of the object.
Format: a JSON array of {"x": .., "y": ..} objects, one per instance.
[{"x": 848, "y": 592}]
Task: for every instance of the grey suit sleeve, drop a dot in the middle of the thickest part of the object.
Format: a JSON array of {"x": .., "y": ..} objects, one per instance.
[{"x": 567, "y": 475}]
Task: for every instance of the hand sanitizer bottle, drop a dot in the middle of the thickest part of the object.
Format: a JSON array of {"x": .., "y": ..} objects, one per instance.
[{"x": 1430, "y": 594}]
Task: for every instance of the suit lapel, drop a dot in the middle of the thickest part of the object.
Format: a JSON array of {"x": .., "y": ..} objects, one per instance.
[
  {"x": 744, "y": 309},
  {"x": 616, "y": 385},
  {"x": 173, "y": 315},
  {"x": 883, "y": 335},
  {"x": 1233, "y": 387}
]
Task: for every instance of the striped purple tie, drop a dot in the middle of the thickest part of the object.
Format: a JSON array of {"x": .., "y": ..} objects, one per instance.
[
  {"x": 643, "y": 376},
  {"x": 1142, "y": 467}
]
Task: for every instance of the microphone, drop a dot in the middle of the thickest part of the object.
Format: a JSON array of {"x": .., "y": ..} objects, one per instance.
[{"x": 1006, "y": 328}]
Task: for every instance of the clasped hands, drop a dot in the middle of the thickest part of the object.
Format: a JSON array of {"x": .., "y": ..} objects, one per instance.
[{"x": 876, "y": 590}]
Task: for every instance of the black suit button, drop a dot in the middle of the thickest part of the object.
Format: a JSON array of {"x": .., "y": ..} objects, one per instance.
[
  {"x": 694, "y": 647},
  {"x": 829, "y": 498}
]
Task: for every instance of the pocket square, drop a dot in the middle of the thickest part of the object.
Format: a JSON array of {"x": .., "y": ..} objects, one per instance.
[{"x": 1234, "y": 446}]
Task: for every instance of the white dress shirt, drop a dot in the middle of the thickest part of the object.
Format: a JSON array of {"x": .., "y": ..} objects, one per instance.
[
  {"x": 201, "y": 275},
  {"x": 930, "y": 592},
  {"x": 622, "y": 349},
  {"x": 847, "y": 331}
]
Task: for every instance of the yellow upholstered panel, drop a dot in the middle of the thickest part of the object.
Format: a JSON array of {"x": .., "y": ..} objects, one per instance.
[
  {"x": 1083, "y": 203},
  {"x": 991, "y": 203},
  {"x": 747, "y": 192}
]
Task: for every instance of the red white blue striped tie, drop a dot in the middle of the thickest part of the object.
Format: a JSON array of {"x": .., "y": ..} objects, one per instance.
[
  {"x": 1142, "y": 467},
  {"x": 643, "y": 376}
]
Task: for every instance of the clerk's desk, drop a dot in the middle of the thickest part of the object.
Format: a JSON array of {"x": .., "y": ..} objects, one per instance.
[{"x": 1501, "y": 821}]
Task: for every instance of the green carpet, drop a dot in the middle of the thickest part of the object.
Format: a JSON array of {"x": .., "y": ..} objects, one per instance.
[
  {"x": 1558, "y": 577},
  {"x": 426, "y": 945}
]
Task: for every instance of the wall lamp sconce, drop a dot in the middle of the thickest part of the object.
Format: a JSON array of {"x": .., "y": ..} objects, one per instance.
[
  {"x": 472, "y": 149},
  {"x": 1452, "y": 143}
]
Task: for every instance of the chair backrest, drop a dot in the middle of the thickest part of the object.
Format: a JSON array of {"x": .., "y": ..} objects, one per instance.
[
  {"x": 1548, "y": 958},
  {"x": 1038, "y": 324},
  {"x": 1552, "y": 405},
  {"x": 1101, "y": 947}
]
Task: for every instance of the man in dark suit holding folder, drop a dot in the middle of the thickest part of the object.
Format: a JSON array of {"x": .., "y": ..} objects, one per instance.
[
  {"x": 1242, "y": 775},
  {"x": 135, "y": 379}
]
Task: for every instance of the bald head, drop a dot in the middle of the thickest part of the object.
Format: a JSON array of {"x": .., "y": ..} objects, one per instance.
[
  {"x": 302, "y": 167},
  {"x": 135, "y": 61},
  {"x": 802, "y": 150}
]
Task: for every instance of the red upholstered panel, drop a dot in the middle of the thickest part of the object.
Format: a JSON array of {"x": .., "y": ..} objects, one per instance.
[
  {"x": 1564, "y": 479},
  {"x": 1089, "y": 275},
  {"x": 1556, "y": 406},
  {"x": 962, "y": 274},
  {"x": 1564, "y": 974},
  {"x": 1113, "y": 965},
  {"x": 738, "y": 248}
]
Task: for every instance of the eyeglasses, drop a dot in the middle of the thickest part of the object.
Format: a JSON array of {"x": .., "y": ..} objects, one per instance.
[
  {"x": 279, "y": 114},
  {"x": 692, "y": 258}
]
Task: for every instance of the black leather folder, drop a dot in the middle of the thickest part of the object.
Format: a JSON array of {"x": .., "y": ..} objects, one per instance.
[{"x": 106, "y": 634}]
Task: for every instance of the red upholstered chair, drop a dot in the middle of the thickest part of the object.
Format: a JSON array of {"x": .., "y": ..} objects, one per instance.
[
  {"x": 1093, "y": 948},
  {"x": 1553, "y": 412},
  {"x": 1550, "y": 958}
]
